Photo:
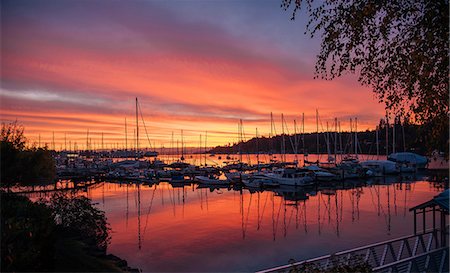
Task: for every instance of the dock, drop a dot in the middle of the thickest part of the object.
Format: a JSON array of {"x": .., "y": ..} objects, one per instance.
[{"x": 424, "y": 252}]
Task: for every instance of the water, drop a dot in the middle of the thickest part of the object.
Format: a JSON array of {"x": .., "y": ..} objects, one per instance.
[
  {"x": 166, "y": 228},
  {"x": 221, "y": 159}
]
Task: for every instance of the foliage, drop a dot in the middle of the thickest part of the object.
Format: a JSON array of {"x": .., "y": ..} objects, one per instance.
[
  {"x": 27, "y": 235},
  {"x": 399, "y": 48},
  {"x": 13, "y": 133},
  {"x": 40, "y": 236},
  {"x": 78, "y": 216},
  {"x": 19, "y": 164},
  {"x": 355, "y": 264}
]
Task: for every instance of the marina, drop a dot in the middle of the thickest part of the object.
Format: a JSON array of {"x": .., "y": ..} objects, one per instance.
[
  {"x": 259, "y": 136},
  {"x": 240, "y": 229}
]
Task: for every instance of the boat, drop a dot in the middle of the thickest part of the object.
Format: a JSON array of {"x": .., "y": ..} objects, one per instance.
[
  {"x": 418, "y": 161},
  {"x": 236, "y": 176},
  {"x": 380, "y": 167},
  {"x": 291, "y": 177},
  {"x": 211, "y": 180},
  {"x": 321, "y": 174}
]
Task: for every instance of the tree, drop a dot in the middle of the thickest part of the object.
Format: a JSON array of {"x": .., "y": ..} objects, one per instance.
[
  {"x": 27, "y": 240},
  {"x": 20, "y": 164},
  {"x": 399, "y": 48},
  {"x": 78, "y": 216}
]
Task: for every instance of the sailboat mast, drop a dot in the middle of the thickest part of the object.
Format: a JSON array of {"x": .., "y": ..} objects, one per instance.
[
  {"x": 351, "y": 136},
  {"x": 356, "y": 137},
  {"x": 241, "y": 139},
  {"x": 328, "y": 143},
  {"x": 283, "y": 143},
  {"x": 206, "y": 139},
  {"x": 403, "y": 135},
  {"x": 87, "y": 140},
  {"x": 126, "y": 136},
  {"x": 295, "y": 142},
  {"x": 340, "y": 140},
  {"x": 317, "y": 133},
  {"x": 387, "y": 134},
  {"x": 335, "y": 140},
  {"x": 137, "y": 130},
  {"x": 393, "y": 135},
  {"x": 303, "y": 132},
  {"x": 182, "y": 144},
  {"x": 257, "y": 149},
  {"x": 378, "y": 148}
]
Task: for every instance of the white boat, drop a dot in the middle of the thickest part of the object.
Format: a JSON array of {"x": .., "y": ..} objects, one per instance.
[
  {"x": 291, "y": 177},
  {"x": 416, "y": 160},
  {"x": 321, "y": 174},
  {"x": 259, "y": 180},
  {"x": 380, "y": 167},
  {"x": 211, "y": 180},
  {"x": 236, "y": 176}
]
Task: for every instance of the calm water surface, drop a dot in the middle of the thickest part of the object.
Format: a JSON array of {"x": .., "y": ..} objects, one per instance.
[{"x": 168, "y": 227}]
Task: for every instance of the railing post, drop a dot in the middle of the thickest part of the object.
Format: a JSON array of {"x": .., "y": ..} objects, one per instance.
[
  {"x": 423, "y": 220},
  {"x": 434, "y": 217},
  {"x": 415, "y": 223}
]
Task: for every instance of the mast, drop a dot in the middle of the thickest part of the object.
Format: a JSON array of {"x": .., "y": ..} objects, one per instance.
[
  {"x": 335, "y": 140},
  {"x": 328, "y": 144},
  {"x": 257, "y": 148},
  {"x": 356, "y": 137},
  {"x": 340, "y": 140},
  {"x": 351, "y": 136},
  {"x": 283, "y": 143},
  {"x": 403, "y": 135},
  {"x": 65, "y": 141},
  {"x": 378, "y": 148},
  {"x": 53, "y": 141},
  {"x": 295, "y": 142},
  {"x": 200, "y": 150},
  {"x": 387, "y": 134},
  {"x": 102, "y": 141},
  {"x": 303, "y": 133},
  {"x": 87, "y": 140},
  {"x": 273, "y": 132},
  {"x": 137, "y": 130},
  {"x": 240, "y": 139},
  {"x": 171, "y": 147},
  {"x": 393, "y": 134},
  {"x": 206, "y": 138},
  {"x": 182, "y": 150},
  {"x": 126, "y": 135},
  {"x": 317, "y": 133}
]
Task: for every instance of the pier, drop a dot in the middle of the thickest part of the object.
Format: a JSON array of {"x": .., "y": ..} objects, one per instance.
[{"x": 425, "y": 251}]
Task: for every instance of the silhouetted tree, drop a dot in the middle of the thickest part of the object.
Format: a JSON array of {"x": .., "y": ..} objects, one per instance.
[
  {"x": 19, "y": 164},
  {"x": 78, "y": 216},
  {"x": 398, "y": 47}
]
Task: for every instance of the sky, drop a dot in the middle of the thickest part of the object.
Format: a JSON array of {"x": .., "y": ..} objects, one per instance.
[{"x": 73, "y": 67}]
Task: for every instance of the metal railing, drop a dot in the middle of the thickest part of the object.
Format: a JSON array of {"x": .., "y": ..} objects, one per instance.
[{"x": 386, "y": 256}]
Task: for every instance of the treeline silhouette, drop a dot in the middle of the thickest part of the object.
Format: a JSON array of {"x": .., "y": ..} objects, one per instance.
[{"x": 408, "y": 137}]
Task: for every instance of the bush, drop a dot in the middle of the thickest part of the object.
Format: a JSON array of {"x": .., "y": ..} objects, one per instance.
[
  {"x": 79, "y": 217},
  {"x": 27, "y": 235}
]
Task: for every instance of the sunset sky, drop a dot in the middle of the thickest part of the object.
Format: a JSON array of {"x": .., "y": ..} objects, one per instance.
[{"x": 72, "y": 66}]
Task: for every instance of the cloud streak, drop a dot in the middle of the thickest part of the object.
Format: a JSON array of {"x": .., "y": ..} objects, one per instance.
[{"x": 71, "y": 65}]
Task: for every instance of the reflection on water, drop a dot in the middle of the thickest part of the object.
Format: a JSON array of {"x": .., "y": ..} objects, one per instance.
[{"x": 183, "y": 227}]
